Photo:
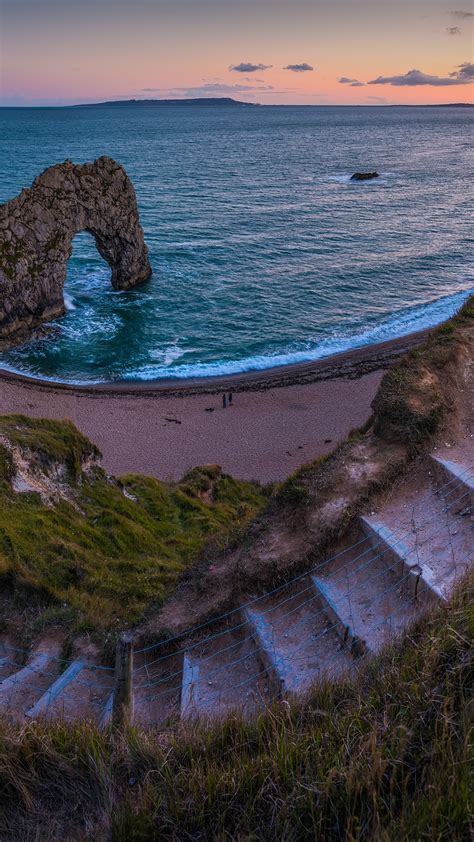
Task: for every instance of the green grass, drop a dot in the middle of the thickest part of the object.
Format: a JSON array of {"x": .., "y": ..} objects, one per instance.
[
  {"x": 102, "y": 559},
  {"x": 383, "y": 757},
  {"x": 412, "y": 399},
  {"x": 49, "y": 441}
]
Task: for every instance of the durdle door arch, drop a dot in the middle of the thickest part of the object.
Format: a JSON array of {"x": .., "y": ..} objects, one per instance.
[{"x": 36, "y": 232}]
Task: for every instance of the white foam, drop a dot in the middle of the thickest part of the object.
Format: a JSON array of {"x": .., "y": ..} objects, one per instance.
[
  {"x": 168, "y": 355},
  {"x": 399, "y": 324},
  {"x": 69, "y": 302},
  {"x": 174, "y": 352}
]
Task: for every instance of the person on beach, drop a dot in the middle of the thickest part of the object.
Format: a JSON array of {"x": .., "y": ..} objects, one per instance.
[
  {"x": 230, "y": 398},
  {"x": 224, "y": 401}
]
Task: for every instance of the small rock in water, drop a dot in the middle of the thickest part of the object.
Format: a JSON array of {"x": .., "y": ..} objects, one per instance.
[{"x": 364, "y": 176}]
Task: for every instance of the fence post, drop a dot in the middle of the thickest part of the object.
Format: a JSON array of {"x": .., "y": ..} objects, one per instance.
[{"x": 122, "y": 707}]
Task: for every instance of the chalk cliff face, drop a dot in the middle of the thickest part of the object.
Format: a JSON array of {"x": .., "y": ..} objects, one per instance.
[{"x": 36, "y": 232}]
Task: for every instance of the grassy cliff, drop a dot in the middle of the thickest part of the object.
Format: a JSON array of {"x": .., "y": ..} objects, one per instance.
[{"x": 98, "y": 552}]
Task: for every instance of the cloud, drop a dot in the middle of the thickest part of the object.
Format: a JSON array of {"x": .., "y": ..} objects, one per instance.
[
  {"x": 225, "y": 89},
  {"x": 413, "y": 78},
  {"x": 304, "y": 67},
  {"x": 248, "y": 67},
  {"x": 465, "y": 72},
  {"x": 378, "y": 99},
  {"x": 462, "y": 15},
  {"x": 453, "y": 30},
  {"x": 210, "y": 89},
  {"x": 353, "y": 83}
]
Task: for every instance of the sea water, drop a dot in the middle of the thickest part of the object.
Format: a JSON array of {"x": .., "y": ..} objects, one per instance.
[{"x": 264, "y": 252}]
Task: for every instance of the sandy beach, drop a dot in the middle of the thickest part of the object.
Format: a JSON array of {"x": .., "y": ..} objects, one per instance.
[{"x": 279, "y": 418}]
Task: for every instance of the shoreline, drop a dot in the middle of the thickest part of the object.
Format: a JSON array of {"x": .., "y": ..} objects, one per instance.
[
  {"x": 279, "y": 420},
  {"x": 346, "y": 364}
]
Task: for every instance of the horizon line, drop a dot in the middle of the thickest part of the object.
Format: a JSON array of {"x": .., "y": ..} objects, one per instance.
[{"x": 177, "y": 101}]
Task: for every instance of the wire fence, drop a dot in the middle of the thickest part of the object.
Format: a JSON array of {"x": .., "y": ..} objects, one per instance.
[
  {"x": 368, "y": 551},
  {"x": 384, "y": 566},
  {"x": 450, "y": 486},
  {"x": 314, "y": 596},
  {"x": 354, "y": 591}
]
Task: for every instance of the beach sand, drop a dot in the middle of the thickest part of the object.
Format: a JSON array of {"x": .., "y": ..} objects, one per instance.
[{"x": 279, "y": 418}]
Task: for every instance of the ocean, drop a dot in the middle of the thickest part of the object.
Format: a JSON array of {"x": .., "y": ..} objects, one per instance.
[{"x": 263, "y": 251}]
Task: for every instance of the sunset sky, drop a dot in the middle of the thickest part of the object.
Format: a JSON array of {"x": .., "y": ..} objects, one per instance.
[{"x": 56, "y": 52}]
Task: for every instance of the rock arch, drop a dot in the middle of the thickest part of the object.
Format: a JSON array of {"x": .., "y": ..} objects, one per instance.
[{"x": 36, "y": 232}]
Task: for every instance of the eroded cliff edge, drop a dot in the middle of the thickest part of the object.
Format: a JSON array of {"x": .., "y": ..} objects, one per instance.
[{"x": 36, "y": 232}]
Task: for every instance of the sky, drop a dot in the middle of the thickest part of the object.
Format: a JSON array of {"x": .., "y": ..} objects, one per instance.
[{"x": 364, "y": 52}]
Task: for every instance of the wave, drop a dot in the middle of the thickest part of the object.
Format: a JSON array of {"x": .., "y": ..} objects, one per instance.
[
  {"x": 69, "y": 302},
  {"x": 402, "y": 323},
  {"x": 168, "y": 355}
]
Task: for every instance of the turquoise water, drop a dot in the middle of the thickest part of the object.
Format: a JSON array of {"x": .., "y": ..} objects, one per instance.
[{"x": 263, "y": 251}]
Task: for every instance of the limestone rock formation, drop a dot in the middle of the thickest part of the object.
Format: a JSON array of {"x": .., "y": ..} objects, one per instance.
[
  {"x": 36, "y": 232},
  {"x": 364, "y": 176}
]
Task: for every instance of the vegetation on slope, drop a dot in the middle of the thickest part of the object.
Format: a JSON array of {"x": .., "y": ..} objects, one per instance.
[
  {"x": 100, "y": 551},
  {"x": 416, "y": 392},
  {"x": 383, "y": 757},
  {"x": 414, "y": 397}
]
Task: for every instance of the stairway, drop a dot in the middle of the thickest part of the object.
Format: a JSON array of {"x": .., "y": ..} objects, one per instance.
[
  {"x": 23, "y": 683},
  {"x": 297, "y": 641},
  {"x": 393, "y": 564},
  {"x": 438, "y": 535}
]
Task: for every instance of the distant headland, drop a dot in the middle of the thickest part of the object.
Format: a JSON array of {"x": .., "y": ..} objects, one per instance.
[
  {"x": 218, "y": 100},
  {"x": 229, "y": 101}
]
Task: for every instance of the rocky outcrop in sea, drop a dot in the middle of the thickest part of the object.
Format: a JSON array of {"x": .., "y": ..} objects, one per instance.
[
  {"x": 36, "y": 232},
  {"x": 364, "y": 176}
]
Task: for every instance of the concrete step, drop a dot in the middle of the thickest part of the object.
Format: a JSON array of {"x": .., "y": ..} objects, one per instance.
[
  {"x": 362, "y": 595},
  {"x": 21, "y": 689},
  {"x": 5, "y": 668},
  {"x": 79, "y": 693},
  {"x": 402, "y": 559},
  {"x": 106, "y": 716},
  {"x": 294, "y": 640},
  {"x": 42, "y": 706},
  {"x": 157, "y": 683},
  {"x": 224, "y": 675},
  {"x": 457, "y": 480},
  {"x": 433, "y": 538}
]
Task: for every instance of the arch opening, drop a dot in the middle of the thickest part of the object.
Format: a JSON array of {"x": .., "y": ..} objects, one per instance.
[{"x": 87, "y": 271}]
